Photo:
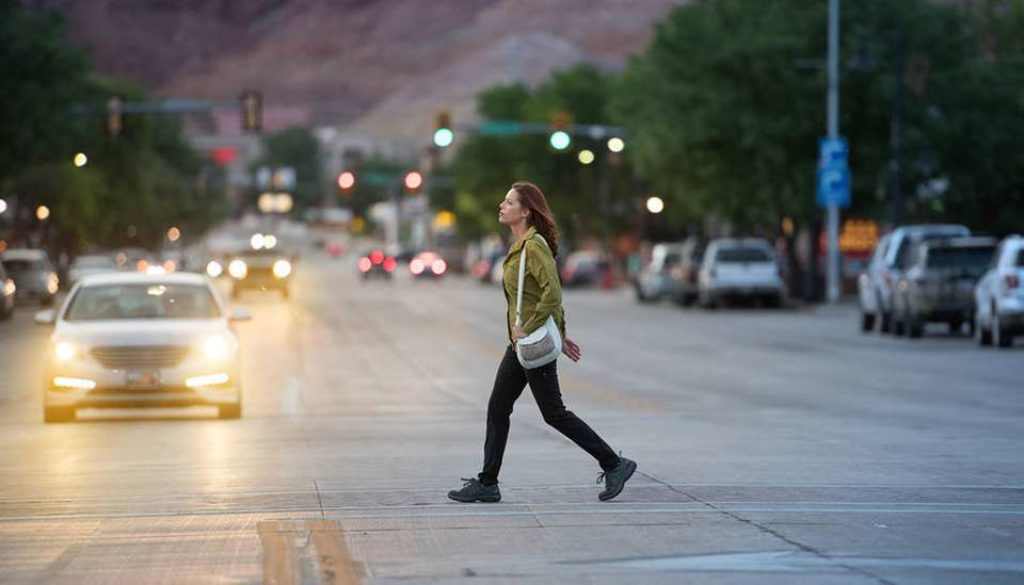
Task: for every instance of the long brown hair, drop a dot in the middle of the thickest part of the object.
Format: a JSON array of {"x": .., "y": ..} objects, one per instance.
[{"x": 541, "y": 218}]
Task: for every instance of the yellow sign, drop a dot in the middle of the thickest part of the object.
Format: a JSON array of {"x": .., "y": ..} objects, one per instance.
[
  {"x": 858, "y": 236},
  {"x": 444, "y": 219}
]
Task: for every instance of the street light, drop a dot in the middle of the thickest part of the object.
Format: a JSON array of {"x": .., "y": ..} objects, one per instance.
[
  {"x": 586, "y": 156},
  {"x": 655, "y": 204},
  {"x": 560, "y": 140},
  {"x": 346, "y": 180},
  {"x": 616, "y": 144},
  {"x": 413, "y": 181},
  {"x": 81, "y": 160},
  {"x": 3, "y": 206},
  {"x": 42, "y": 212},
  {"x": 173, "y": 234}
]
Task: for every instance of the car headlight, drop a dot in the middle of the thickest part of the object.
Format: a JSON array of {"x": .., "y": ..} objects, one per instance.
[
  {"x": 64, "y": 351},
  {"x": 217, "y": 347},
  {"x": 214, "y": 269},
  {"x": 238, "y": 269},
  {"x": 9, "y": 287},
  {"x": 52, "y": 283},
  {"x": 282, "y": 268}
]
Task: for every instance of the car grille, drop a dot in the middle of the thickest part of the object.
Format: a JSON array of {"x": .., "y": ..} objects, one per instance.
[{"x": 145, "y": 357}]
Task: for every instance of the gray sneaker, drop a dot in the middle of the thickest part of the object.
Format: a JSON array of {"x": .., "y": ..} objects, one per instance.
[
  {"x": 616, "y": 479},
  {"x": 474, "y": 491}
]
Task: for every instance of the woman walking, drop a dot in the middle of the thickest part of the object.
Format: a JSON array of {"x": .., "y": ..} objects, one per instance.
[{"x": 525, "y": 211}]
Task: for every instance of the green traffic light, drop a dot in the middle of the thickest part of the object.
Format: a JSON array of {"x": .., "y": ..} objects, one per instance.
[
  {"x": 443, "y": 137},
  {"x": 560, "y": 140}
]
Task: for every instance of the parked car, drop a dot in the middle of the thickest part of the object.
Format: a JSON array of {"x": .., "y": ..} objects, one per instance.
[
  {"x": 584, "y": 268},
  {"x": 999, "y": 296},
  {"x": 428, "y": 264},
  {"x": 890, "y": 260},
  {"x": 90, "y": 264},
  {"x": 740, "y": 269},
  {"x": 33, "y": 274},
  {"x": 938, "y": 284},
  {"x": 483, "y": 269},
  {"x": 136, "y": 340},
  {"x": 7, "y": 293},
  {"x": 672, "y": 273},
  {"x": 376, "y": 263}
]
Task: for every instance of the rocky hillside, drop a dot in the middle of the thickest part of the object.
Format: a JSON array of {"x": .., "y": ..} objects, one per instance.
[{"x": 383, "y": 64}]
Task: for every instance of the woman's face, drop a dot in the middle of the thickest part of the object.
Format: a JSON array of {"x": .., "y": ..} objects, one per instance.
[{"x": 510, "y": 211}]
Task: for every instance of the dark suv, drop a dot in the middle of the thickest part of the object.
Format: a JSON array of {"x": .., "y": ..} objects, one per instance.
[{"x": 938, "y": 285}]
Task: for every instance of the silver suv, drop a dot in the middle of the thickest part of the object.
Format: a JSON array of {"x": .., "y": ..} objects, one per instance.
[
  {"x": 938, "y": 285},
  {"x": 1000, "y": 296},
  {"x": 891, "y": 259}
]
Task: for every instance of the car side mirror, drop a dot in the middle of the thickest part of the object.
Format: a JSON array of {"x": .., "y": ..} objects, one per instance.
[
  {"x": 47, "y": 317},
  {"x": 240, "y": 315}
]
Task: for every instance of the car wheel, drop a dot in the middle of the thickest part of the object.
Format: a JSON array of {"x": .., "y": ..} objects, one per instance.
[
  {"x": 230, "y": 411},
  {"x": 1000, "y": 336},
  {"x": 915, "y": 327},
  {"x": 640, "y": 296},
  {"x": 867, "y": 322},
  {"x": 885, "y": 324},
  {"x": 58, "y": 414},
  {"x": 982, "y": 335}
]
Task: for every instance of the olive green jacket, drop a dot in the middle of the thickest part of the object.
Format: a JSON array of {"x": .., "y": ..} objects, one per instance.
[{"x": 542, "y": 291}]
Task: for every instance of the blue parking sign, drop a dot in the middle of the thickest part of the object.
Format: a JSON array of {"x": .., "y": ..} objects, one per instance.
[
  {"x": 833, "y": 184},
  {"x": 833, "y": 152}
]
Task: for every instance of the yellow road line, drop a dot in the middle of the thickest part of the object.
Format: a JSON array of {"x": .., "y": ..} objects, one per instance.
[{"x": 333, "y": 559}]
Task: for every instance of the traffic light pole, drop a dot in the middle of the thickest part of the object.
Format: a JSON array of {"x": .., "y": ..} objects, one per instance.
[{"x": 833, "y": 133}]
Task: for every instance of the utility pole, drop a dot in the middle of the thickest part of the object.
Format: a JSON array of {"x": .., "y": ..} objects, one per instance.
[{"x": 833, "y": 133}]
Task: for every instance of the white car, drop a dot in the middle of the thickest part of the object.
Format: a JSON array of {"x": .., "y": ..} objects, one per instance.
[
  {"x": 136, "y": 340},
  {"x": 740, "y": 268},
  {"x": 999, "y": 296}
]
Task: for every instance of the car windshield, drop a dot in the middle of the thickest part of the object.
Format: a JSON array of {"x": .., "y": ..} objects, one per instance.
[
  {"x": 94, "y": 262},
  {"x": 142, "y": 301},
  {"x": 972, "y": 257},
  {"x": 23, "y": 266},
  {"x": 728, "y": 255}
]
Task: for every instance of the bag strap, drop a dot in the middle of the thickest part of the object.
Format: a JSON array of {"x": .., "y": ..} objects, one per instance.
[{"x": 522, "y": 277}]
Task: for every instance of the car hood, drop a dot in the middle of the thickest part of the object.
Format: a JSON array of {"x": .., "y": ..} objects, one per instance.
[{"x": 141, "y": 331}]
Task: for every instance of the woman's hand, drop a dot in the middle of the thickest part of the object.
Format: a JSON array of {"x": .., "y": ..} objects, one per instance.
[
  {"x": 517, "y": 332},
  {"x": 571, "y": 350}
]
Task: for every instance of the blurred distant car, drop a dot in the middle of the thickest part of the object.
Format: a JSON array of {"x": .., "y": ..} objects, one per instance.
[
  {"x": 427, "y": 264},
  {"x": 262, "y": 269},
  {"x": 584, "y": 268},
  {"x": 484, "y": 268},
  {"x": 735, "y": 269},
  {"x": 7, "y": 293},
  {"x": 129, "y": 258},
  {"x": 938, "y": 283},
  {"x": 90, "y": 264},
  {"x": 999, "y": 296},
  {"x": 672, "y": 273},
  {"x": 376, "y": 264},
  {"x": 888, "y": 263},
  {"x": 33, "y": 274},
  {"x": 334, "y": 249},
  {"x": 137, "y": 340}
]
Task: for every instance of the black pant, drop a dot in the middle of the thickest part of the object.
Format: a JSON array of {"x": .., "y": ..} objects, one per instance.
[{"x": 508, "y": 386}]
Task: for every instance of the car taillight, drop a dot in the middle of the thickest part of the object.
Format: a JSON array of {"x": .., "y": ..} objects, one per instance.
[
  {"x": 417, "y": 267},
  {"x": 365, "y": 264},
  {"x": 390, "y": 264},
  {"x": 1012, "y": 281},
  {"x": 438, "y": 267},
  {"x": 376, "y": 256}
]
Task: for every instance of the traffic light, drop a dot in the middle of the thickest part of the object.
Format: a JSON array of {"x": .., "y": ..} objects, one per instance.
[
  {"x": 444, "y": 134},
  {"x": 560, "y": 124},
  {"x": 115, "y": 115},
  {"x": 346, "y": 181},
  {"x": 413, "y": 181},
  {"x": 251, "y": 103}
]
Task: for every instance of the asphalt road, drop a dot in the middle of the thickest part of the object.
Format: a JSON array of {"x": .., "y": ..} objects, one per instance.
[{"x": 774, "y": 446}]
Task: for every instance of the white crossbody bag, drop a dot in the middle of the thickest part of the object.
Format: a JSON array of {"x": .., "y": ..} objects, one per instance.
[{"x": 540, "y": 347}]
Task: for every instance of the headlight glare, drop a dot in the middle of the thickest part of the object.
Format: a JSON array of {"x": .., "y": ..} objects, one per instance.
[
  {"x": 282, "y": 268},
  {"x": 214, "y": 269},
  {"x": 238, "y": 269},
  {"x": 216, "y": 348},
  {"x": 64, "y": 351}
]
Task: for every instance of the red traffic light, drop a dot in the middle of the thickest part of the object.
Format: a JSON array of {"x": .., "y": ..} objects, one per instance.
[
  {"x": 347, "y": 180},
  {"x": 413, "y": 181}
]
